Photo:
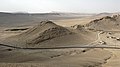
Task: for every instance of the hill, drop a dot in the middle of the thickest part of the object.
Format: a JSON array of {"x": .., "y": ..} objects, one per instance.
[
  {"x": 104, "y": 14},
  {"x": 48, "y": 34},
  {"x": 105, "y": 23}
]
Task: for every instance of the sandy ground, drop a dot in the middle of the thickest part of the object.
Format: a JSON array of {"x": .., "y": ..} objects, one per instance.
[
  {"x": 114, "y": 61},
  {"x": 71, "y": 22},
  {"x": 61, "y": 58},
  {"x": 70, "y": 58},
  {"x": 52, "y": 58}
]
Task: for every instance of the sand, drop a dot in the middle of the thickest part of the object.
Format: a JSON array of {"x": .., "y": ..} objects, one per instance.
[
  {"x": 49, "y": 34},
  {"x": 74, "y": 36},
  {"x": 69, "y": 22},
  {"x": 114, "y": 61},
  {"x": 70, "y": 58}
]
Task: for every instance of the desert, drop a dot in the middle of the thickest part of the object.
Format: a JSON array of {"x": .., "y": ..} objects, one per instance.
[{"x": 59, "y": 33}]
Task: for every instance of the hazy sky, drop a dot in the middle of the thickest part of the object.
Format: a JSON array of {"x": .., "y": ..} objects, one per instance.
[{"x": 83, "y": 6}]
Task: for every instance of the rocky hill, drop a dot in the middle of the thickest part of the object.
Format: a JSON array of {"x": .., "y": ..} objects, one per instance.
[
  {"x": 45, "y": 30},
  {"x": 105, "y": 23}
]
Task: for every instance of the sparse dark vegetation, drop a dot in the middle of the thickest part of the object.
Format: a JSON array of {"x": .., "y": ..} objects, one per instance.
[
  {"x": 22, "y": 29},
  {"x": 84, "y": 51},
  {"x": 9, "y": 49}
]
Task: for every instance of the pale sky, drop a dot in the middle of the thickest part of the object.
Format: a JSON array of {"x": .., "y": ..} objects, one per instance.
[{"x": 83, "y": 6}]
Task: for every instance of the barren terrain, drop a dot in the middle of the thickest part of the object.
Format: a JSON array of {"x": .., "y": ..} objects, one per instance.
[{"x": 59, "y": 42}]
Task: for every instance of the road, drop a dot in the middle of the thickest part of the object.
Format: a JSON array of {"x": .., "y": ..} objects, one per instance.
[
  {"x": 69, "y": 47},
  {"x": 65, "y": 47}
]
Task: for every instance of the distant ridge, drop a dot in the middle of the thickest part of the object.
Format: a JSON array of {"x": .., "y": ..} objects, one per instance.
[{"x": 18, "y": 19}]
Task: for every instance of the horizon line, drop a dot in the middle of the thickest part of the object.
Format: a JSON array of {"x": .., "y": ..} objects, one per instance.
[{"x": 55, "y": 12}]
